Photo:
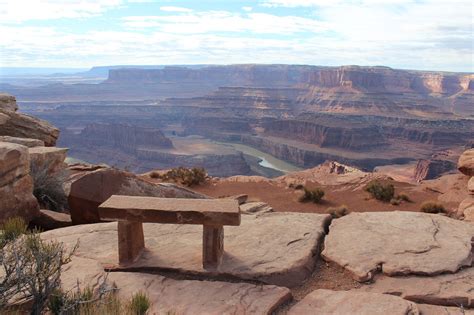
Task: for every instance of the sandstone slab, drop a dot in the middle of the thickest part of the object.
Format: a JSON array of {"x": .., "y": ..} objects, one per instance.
[
  {"x": 176, "y": 296},
  {"x": 50, "y": 157},
  {"x": 352, "y": 302},
  {"x": 255, "y": 207},
  {"x": 427, "y": 309},
  {"x": 399, "y": 243},
  {"x": 446, "y": 289},
  {"x": 16, "y": 185},
  {"x": 466, "y": 163},
  {"x": 91, "y": 188},
  {"x": 27, "y": 142},
  {"x": 262, "y": 248}
]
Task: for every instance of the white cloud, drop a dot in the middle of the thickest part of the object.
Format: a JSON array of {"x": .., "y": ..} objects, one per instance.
[
  {"x": 175, "y": 9},
  {"x": 247, "y": 9},
  {"x": 224, "y": 21},
  {"x": 17, "y": 11}
]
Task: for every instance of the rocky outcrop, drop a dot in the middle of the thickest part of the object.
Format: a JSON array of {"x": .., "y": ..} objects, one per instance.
[
  {"x": 48, "y": 157},
  {"x": 49, "y": 220},
  {"x": 16, "y": 184},
  {"x": 125, "y": 137},
  {"x": 262, "y": 248},
  {"x": 173, "y": 296},
  {"x": 91, "y": 188},
  {"x": 466, "y": 166},
  {"x": 399, "y": 243},
  {"x": 19, "y": 125},
  {"x": 353, "y": 302},
  {"x": 466, "y": 163},
  {"x": 431, "y": 169},
  {"x": 31, "y": 143},
  {"x": 446, "y": 289}
]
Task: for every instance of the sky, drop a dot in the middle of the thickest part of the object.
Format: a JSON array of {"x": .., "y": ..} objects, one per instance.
[{"x": 406, "y": 34}]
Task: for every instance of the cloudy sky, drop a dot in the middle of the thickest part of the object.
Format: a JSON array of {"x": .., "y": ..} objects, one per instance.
[{"x": 411, "y": 34}]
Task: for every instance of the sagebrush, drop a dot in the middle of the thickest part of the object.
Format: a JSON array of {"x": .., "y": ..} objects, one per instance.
[
  {"x": 48, "y": 186},
  {"x": 381, "y": 191},
  {"x": 314, "y": 195},
  {"x": 184, "y": 176}
]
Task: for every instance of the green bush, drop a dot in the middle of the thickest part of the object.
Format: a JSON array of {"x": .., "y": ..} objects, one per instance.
[
  {"x": 139, "y": 304},
  {"x": 433, "y": 207},
  {"x": 381, "y": 191},
  {"x": 48, "y": 186},
  {"x": 338, "y": 212},
  {"x": 313, "y": 195}
]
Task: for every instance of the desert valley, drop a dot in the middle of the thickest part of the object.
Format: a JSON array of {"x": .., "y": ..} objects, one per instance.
[{"x": 266, "y": 157}]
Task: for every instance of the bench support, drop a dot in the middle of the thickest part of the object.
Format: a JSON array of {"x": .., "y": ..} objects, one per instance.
[
  {"x": 212, "y": 246},
  {"x": 131, "y": 241}
]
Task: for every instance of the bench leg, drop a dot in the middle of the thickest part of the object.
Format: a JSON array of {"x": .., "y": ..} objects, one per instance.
[
  {"x": 212, "y": 246},
  {"x": 130, "y": 241}
]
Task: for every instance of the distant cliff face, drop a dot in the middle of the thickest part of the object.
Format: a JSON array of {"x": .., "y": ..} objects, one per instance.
[{"x": 125, "y": 137}]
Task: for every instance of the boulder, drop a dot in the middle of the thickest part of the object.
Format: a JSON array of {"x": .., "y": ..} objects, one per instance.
[
  {"x": 399, "y": 243},
  {"x": 446, "y": 289},
  {"x": 262, "y": 248},
  {"x": 470, "y": 186},
  {"x": 427, "y": 309},
  {"x": 169, "y": 296},
  {"x": 23, "y": 141},
  {"x": 19, "y": 125},
  {"x": 50, "y": 157},
  {"x": 352, "y": 302},
  {"x": 8, "y": 102},
  {"x": 89, "y": 189},
  {"x": 466, "y": 163},
  {"x": 466, "y": 208},
  {"x": 16, "y": 185},
  {"x": 49, "y": 220}
]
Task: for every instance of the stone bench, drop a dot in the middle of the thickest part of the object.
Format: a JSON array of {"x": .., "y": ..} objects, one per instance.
[{"x": 131, "y": 212}]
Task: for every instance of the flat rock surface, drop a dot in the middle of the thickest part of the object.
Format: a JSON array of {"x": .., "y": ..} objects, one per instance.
[
  {"x": 276, "y": 248},
  {"x": 399, "y": 243},
  {"x": 426, "y": 309},
  {"x": 447, "y": 289},
  {"x": 23, "y": 141},
  {"x": 466, "y": 162},
  {"x": 50, "y": 157},
  {"x": 177, "y": 296},
  {"x": 352, "y": 302}
]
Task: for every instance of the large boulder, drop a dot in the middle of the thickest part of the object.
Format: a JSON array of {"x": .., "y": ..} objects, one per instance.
[
  {"x": 398, "y": 243},
  {"x": 49, "y": 220},
  {"x": 91, "y": 188},
  {"x": 466, "y": 209},
  {"x": 16, "y": 185},
  {"x": 19, "y": 125},
  {"x": 470, "y": 186},
  {"x": 51, "y": 157},
  {"x": 466, "y": 163},
  {"x": 353, "y": 302},
  {"x": 276, "y": 248}
]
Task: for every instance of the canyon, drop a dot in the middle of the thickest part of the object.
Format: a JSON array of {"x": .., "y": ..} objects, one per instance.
[{"x": 361, "y": 116}]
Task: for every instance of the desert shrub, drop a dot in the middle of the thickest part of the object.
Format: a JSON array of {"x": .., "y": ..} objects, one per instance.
[
  {"x": 48, "y": 187},
  {"x": 404, "y": 197},
  {"x": 433, "y": 207},
  {"x": 155, "y": 175},
  {"x": 139, "y": 303},
  {"x": 380, "y": 191},
  {"x": 11, "y": 229},
  {"x": 185, "y": 176},
  {"x": 31, "y": 267},
  {"x": 338, "y": 212},
  {"x": 313, "y": 195}
]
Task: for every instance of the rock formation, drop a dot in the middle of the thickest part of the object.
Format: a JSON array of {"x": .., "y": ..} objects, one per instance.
[
  {"x": 16, "y": 184},
  {"x": 19, "y": 125},
  {"x": 399, "y": 243},
  {"x": 466, "y": 166},
  {"x": 431, "y": 169}
]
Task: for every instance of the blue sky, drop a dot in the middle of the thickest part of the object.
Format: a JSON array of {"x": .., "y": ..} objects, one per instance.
[{"x": 410, "y": 34}]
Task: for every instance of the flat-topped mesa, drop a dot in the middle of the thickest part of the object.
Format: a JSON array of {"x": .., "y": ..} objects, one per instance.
[{"x": 131, "y": 212}]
